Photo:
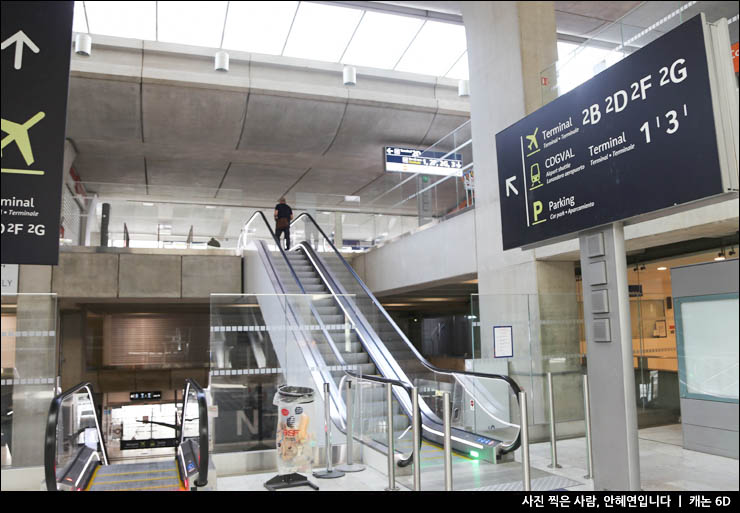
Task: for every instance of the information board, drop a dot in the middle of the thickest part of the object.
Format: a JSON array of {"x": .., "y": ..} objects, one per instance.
[
  {"x": 36, "y": 43},
  {"x": 503, "y": 342},
  {"x": 407, "y": 160},
  {"x": 637, "y": 138}
]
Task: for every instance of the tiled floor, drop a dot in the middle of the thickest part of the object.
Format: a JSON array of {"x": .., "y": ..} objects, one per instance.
[{"x": 664, "y": 465}]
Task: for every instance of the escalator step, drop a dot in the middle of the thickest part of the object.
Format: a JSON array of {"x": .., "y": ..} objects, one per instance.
[{"x": 159, "y": 476}]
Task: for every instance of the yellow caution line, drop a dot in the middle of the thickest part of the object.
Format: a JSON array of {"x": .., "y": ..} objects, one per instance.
[
  {"x": 134, "y": 480},
  {"x": 145, "y": 488},
  {"x": 454, "y": 454},
  {"x": 92, "y": 479},
  {"x": 140, "y": 472},
  {"x": 22, "y": 171}
]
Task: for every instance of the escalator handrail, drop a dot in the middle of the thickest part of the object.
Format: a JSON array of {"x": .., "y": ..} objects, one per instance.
[
  {"x": 202, "y": 428},
  {"x": 512, "y": 384},
  {"x": 423, "y": 360},
  {"x": 50, "y": 440},
  {"x": 379, "y": 379}
]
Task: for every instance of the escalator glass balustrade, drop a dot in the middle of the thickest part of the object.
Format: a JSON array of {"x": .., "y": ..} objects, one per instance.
[{"x": 76, "y": 457}]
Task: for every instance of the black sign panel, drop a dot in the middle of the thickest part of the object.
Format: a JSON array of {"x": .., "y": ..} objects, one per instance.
[
  {"x": 637, "y": 138},
  {"x": 36, "y": 42},
  {"x": 152, "y": 443},
  {"x": 144, "y": 396}
]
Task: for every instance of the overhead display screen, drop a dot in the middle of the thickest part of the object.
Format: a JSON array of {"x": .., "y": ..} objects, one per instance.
[
  {"x": 144, "y": 396},
  {"x": 638, "y": 137},
  {"x": 406, "y": 160}
]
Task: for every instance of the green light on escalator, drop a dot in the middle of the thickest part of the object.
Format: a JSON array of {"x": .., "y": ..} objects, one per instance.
[{"x": 474, "y": 454}]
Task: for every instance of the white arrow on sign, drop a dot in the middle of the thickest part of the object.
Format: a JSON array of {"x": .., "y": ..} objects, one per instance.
[
  {"x": 19, "y": 39},
  {"x": 510, "y": 185}
]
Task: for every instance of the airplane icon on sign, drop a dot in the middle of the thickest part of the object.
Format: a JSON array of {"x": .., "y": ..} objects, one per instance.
[
  {"x": 532, "y": 140},
  {"x": 19, "y": 133}
]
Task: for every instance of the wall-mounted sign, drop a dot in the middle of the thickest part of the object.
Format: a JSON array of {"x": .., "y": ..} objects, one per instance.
[
  {"x": 639, "y": 137},
  {"x": 9, "y": 276},
  {"x": 503, "y": 342},
  {"x": 144, "y": 396},
  {"x": 36, "y": 41},
  {"x": 406, "y": 160}
]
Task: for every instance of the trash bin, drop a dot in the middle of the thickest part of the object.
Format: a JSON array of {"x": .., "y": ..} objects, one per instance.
[{"x": 295, "y": 439}]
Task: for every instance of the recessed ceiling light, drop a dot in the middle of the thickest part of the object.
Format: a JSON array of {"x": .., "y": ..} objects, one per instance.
[
  {"x": 661, "y": 268},
  {"x": 146, "y": 204}
]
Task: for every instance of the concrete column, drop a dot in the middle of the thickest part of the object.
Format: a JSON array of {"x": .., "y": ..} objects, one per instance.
[
  {"x": 515, "y": 40},
  {"x": 338, "y": 231},
  {"x": 35, "y": 364}
]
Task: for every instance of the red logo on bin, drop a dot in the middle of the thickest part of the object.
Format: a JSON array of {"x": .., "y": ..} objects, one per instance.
[{"x": 285, "y": 412}]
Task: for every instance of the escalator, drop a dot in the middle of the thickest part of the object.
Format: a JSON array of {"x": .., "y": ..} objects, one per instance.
[
  {"x": 357, "y": 334},
  {"x": 76, "y": 457}
]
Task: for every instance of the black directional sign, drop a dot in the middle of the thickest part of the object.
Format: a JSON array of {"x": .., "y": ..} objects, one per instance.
[
  {"x": 36, "y": 41},
  {"x": 638, "y": 137}
]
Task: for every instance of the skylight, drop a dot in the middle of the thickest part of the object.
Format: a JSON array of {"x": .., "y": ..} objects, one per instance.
[
  {"x": 80, "y": 23},
  {"x": 321, "y": 32},
  {"x": 437, "y": 47},
  {"x": 381, "y": 39},
  {"x": 306, "y": 30},
  {"x": 460, "y": 68},
  {"x": 191, "y": 23},
  {"x": 121, "y": 19},
  {"x": 259, "y": 27}
]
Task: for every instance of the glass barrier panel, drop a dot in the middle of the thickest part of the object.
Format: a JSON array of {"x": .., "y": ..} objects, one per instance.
[
  {"x": 262, "y": 341},
  {"x": 29, "y": 369}
]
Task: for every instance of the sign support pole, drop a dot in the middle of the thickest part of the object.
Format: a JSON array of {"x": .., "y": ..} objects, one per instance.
[{"x": 611, "y": 373}]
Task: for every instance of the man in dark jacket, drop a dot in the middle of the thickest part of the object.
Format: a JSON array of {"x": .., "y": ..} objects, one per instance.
[{"x": 283, "y": 216}]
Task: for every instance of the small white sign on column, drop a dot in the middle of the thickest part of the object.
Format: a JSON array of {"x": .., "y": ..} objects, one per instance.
[
  {"x": 503, "y": 342},
  {"x": 9, "y": 276}
]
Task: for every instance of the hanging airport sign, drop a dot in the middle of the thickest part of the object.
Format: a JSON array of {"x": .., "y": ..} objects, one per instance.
[
  {"x": 642, "y": 136},
  {"x": 407, "y": 160},
  {"x": 36, "y": 41}
]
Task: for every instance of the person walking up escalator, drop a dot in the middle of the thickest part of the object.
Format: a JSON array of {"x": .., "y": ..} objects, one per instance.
[{"x": 283, "y": 217}]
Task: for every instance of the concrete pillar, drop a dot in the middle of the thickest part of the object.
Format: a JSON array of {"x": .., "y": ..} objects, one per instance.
[
  {"x": 35, "y": 364},
  {"x": 515, "y": 40},
  {"x": 338, "y": 231}
]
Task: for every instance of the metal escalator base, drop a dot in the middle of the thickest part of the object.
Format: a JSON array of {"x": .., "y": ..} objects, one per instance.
[{"x": 150, "y": 476}]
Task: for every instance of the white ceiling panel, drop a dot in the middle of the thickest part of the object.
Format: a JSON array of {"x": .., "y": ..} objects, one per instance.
[
  {"x": 381, "y": 39},
  {"x": 103, "y": 109},
  {"x": 191, "y": 23},
  {"x": 122, "y": 19},
  {"x": 259, "y": 182},
  {"x": 206, "y": 117},
  {"x": 321, "y": 32},
  {"x": 259, "y": 27},
  {"x": 200, "y": 173},
  {"x": 435, "y": 49},
  {"x": 289, "y": 125}
]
